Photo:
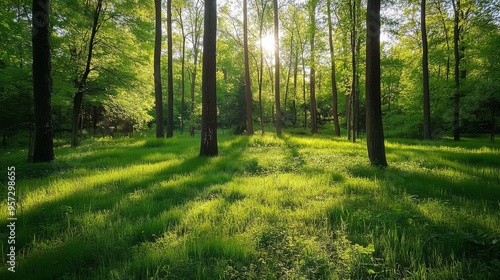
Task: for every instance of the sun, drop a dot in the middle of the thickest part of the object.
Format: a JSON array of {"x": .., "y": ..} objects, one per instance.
[{"x": 268, "y": 43}]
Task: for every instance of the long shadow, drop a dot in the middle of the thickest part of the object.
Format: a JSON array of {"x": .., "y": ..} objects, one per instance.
[
  {"x": 49, "y": 219},
  {"x": 413, "y": 237}
]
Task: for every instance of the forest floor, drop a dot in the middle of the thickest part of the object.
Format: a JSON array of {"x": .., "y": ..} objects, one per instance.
[{"x": 290, "y": 207}]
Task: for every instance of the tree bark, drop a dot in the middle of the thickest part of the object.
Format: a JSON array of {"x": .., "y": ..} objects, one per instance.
[
  {"x": 170, "y": 74},
  {"x": 425, "y": 70},
  {"x": 183, "y": 69},
  {"x": 277, "y": 68},
  {"x": 333, "y": 70},
  {"x": 374, "y": 128},
  {"x": 248, "y": 82},
  {"x": 42, "y": 83},
  {"x": 78, "y": 99},
  {"x": 157, "y": 72},
  {"x": 209, "y": 84},
  {"x": 456, "y": 100},
  {"x": 312, "y": 85}
]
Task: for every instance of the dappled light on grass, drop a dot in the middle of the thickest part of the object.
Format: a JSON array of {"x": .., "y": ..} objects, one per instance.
[{"x": 268, "y": 207}]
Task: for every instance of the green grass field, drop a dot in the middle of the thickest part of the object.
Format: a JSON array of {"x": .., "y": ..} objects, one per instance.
[{"x": 291, "y": 207}]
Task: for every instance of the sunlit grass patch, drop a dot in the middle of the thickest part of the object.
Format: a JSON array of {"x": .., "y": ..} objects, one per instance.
[{"x": 290, "y": 207}]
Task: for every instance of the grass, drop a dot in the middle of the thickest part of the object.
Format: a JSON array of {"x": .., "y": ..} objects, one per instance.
[{"x": 290, "y": 207}]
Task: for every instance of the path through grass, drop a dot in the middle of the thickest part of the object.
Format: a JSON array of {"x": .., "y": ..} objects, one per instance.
[{"x": 295, "y": 207}]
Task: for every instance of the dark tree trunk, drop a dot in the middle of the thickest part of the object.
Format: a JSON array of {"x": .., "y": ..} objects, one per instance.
[
  {"x": 209, "y": 86},
  {"x": 170, "y": 74},
  {"x": 425, "y": 69},
  {"x": 333, "y": 70},
  {"x": 248, "y": 85},
  {"x": 277, "y": 69},
  {"x": 374, "y": 128},
  {"x": 42, "y": 83},
  {"x": 456, "y": 103},
  {"x": 157, "y": 72},
  {"x": 78, "y": 99}
]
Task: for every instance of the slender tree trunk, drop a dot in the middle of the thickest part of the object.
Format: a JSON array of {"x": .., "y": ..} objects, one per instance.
[
  {"x": 374, "y": 128},
  {"x": 261, "y": 76},
  {"x": 456, "y": 103},
  {"x": 183, "y": 69},
  {"x": 304, "y": 88},
  {"x": 78, "y": 99},
  {"x": 209, "y": 84},
  {"x": 445, "y": 29},
  {"x": 157, "y": 72},
  {"x": 333, "y": 70},
  {"x": 248, "y": 85},
  {"x": 193, "y": 75},
  {"x": 295, "y": 74},
  {"x": 287, "y": 85},
  {"x": 425, "y": 70},
  {"x": 312, "y": 86},
  {"x": 354, "y": 84},
  {"x": 170, "y": 78},
  {"x": 277, "y": 68},
  {"x": 42, "y": 83}
]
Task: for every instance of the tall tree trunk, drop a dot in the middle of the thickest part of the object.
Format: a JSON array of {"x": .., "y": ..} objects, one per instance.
[
  {"x": 248, "y": 82},
  {"x": 277, "y": 68},
  {"x": 333, "y": 70},
  {"x": 42, "y": 83},
  {"x": 445, "y": 29},
  {"x": 456, "y": 39},
  {"x": 295, "y": 74},
  {"x": 209, "y": 84},
  {"x": 183, "y": 69},
  {"x": 78, "y": 99},
  {"x": 287, "y": 85},
  {"x": 261, "y": 67},
  {"x": 312, "y": 85},
  {"x": 374, "y": 128},
  {"x": 354, "y": 85},
  {"x": 170, "y": 80},
  {"x": 195, "y": 36},
  {"x": 425, "y": 70},
  {"x": 304, "y": 87},
  {"x": 157, "y": 72}
]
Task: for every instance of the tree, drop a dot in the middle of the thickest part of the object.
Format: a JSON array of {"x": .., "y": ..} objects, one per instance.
[
  {"x": 195, "y": 20},
  {"x": 209, "y": 84},
  {"x": 458, "y": 57},
  {"x": 260, "y": 14},
  {"x": 170, "y": 74},
  {"x": 157, "y": 72},
  {"x": 42, "y": 83},
  {"x": 425, "y": 70},
  {"x": 312, "y": 85},
  {"x": 277, "y": 68},
  {"x": 333, "y": 66},
  {"x": 374, "y": 128},
  {"x": 248, "y": 85},
  {"x": 81, "y": 88}
]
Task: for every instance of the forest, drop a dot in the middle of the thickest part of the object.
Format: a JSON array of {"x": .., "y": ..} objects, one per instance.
[{"x": 250, "y": 139}]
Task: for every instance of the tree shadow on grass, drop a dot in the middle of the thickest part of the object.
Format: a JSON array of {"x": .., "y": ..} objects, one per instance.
[
  {"x": 451, "y": 181},
  {"x": 407, "y": 240},
  {"x": 131, "y": 212}
]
